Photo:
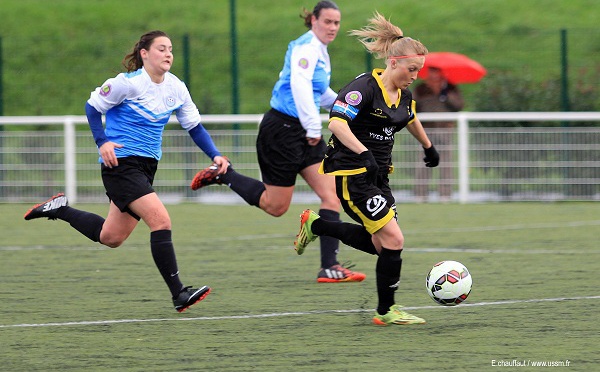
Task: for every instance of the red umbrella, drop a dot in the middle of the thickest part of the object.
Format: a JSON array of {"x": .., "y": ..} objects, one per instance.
[{"x": 457, "y": 68}]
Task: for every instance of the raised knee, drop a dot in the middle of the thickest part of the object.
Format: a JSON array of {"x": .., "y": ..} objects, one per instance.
[
  {"x": 277, "y": 211},
  {"x": 112, "y": 242}
]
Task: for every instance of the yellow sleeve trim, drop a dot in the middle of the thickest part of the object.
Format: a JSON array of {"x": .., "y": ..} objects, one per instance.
[{"x": 336, "y": 118}]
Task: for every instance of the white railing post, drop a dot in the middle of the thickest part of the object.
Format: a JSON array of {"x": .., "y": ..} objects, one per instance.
[
  {"x": 463, "y": 158},
  {"x": 70, "y": 160}
]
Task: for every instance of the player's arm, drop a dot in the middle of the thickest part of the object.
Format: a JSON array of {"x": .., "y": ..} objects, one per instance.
[
  {"x": 328, "y": 98},
  {"x": 416, "y": 129},
  {"x": 102, "y": 99},
  {"x": 432, "y": 157},
  {"x": 94, "y": 118},
  {"x": 302, "y": 65},
  {"x": 190, "y": 119},
  {"x": 106, "y": 148},
  {"x": 204, "y": 141},
  {"x": 342, "y": 131}
]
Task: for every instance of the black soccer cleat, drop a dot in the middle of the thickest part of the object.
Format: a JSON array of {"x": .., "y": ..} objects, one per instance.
[
  {"x": 189, "y": 296},
  {"x": 48, "y": 208}
]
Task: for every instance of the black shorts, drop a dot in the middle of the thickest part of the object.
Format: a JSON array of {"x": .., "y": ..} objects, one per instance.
[
  {"x": 283, "y": 150},
  {"x": 371, "y": 205},
  {"x": 129, "y": 181}
]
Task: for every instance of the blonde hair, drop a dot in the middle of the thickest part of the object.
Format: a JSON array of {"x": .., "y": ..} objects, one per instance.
[{"x": 383, "y": 39}]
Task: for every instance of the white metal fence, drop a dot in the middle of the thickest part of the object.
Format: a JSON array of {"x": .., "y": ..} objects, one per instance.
[{"x": 40, "y": 156}]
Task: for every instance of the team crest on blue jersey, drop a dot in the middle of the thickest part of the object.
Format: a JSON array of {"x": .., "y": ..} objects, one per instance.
[
  {"x": 170, "y": 101},
  {"x": 354, "y": 97},
  {"x": 105, "y": 90},
  {"x": 303, "y": 63},
  {"x": 345, "y": 109}
]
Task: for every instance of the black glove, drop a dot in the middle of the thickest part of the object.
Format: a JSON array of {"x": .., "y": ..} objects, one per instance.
[
  {"x": 368, "y": 161},
  {"x": 432, "y": 158}
]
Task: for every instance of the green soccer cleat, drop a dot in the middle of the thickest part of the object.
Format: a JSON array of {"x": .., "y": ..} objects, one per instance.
[
  {"x": 396, "y": 316},
  {"x": 305, "y": 236}
]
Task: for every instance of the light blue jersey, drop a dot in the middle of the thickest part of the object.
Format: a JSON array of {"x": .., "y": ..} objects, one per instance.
[
  {"x": 303, "y": 85},
  {"x": 137, "y": 110}
]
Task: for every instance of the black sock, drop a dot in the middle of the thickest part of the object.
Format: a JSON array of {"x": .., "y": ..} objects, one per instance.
[
  {"x": 329, "y": 245},
  {"x": 248, "y": 188},
  {"x": 353, "y": 235},
  {"x": 89, "y": 224},
  {"x": 387, "y": 270},
  {"x": 163, "y": 253}
]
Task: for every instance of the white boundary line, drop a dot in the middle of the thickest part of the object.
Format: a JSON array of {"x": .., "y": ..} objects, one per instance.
[{"x": 274, "y": 315}]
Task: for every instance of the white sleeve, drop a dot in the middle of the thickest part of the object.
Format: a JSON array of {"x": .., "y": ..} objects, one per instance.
[
  {"x": 328, "y": 98},
  {"x": 111, "y": 93},
  {"x": 302, "y": 65},
  {"x": 188, "y": 114}
]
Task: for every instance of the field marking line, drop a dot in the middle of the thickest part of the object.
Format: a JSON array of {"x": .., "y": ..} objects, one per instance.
[{"x": 273, "y": 315}]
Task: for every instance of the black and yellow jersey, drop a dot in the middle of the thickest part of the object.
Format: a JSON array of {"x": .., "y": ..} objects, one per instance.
[{"x": 365, "y": 105}]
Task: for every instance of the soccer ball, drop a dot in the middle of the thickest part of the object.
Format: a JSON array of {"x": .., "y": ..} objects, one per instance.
[{"x": 449, "y": 283}]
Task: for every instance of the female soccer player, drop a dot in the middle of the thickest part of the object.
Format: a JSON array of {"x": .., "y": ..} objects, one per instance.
[
  {"x": 289, "y": 139},
  {"x": 365, "y": 116},
  {"x": 137, "y": 106}
]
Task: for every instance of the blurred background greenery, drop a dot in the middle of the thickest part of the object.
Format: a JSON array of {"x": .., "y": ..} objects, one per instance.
[{"x": 55, "y": 53}]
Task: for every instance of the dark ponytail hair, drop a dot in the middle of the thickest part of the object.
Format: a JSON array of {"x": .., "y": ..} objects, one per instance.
[
  {"x": 307, "y": 16},
  {"x": 133, "y": 61}
]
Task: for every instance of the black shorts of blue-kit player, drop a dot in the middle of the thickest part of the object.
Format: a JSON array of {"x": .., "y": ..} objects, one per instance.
[
  {"x": 283, "y": 150},
  {"x": 129, "y": 181}
]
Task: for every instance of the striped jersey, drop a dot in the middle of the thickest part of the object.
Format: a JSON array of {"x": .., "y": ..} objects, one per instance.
[
  {"x": 137, "y": 110},
  {"x": 303, "y": 85}
]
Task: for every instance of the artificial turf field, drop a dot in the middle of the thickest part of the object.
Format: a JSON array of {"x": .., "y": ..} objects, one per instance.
[{"x": 69, "y": 304}]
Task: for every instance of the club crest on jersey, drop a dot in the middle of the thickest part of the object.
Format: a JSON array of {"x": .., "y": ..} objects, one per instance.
[
  {"x": 303, "y": 63},
  {"x": 353, "y": 98},
  {"x": 170, "y": 101},
  {"x": 105, "y": 90}
]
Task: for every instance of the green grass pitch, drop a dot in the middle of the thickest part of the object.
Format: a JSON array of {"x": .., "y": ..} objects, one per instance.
[{"x": 69, "y": 304}]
